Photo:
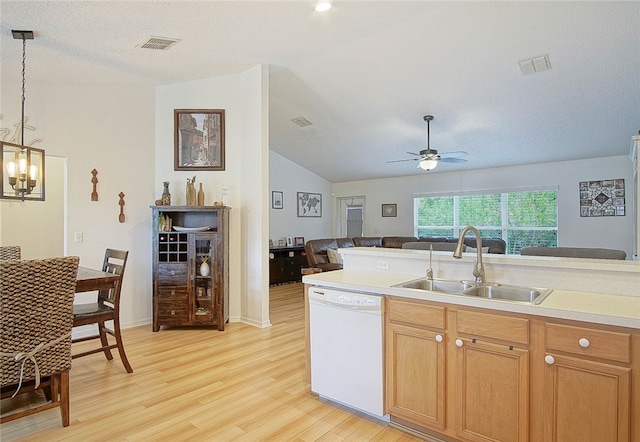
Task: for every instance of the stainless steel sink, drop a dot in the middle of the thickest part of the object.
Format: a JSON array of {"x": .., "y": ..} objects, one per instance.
[
  {"x": 436, "y": 285},
  {"x": 500, "y": 292},
  {"x": 508, "y": 293}
]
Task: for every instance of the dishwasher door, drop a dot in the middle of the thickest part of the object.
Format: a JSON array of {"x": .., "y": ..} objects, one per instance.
[{"x": 346, "y": 340}]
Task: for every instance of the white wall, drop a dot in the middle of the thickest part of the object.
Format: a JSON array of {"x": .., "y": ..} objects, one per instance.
[
  {"x": 109, "y": 129},
  {"x": 246, "y": 174},
  {"x": 573, "y": 230},
  {"x": 289, "y": 178}
]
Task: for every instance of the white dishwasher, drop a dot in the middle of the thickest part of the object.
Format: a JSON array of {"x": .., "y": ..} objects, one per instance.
[{"x": 346, "y": 340}]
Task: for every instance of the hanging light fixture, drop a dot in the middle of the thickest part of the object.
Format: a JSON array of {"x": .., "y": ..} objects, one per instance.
[{"x": 22, "y": 167}]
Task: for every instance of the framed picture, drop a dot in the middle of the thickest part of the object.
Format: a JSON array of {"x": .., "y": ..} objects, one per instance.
[
  {"x": 198, "y": 139},
  {"x": 389, "y": 210},
  {"x": 276, "y": 200},
  {"x": 309, "y": 204},
  {"x": 299, "y": 240}
]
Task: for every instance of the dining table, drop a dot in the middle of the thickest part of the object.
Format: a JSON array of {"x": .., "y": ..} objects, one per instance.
[{"x": 89, "y": 280}]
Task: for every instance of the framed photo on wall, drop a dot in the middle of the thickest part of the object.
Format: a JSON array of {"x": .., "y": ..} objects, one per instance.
[
  {"x": 198, "y": 139},
  {"x": 389, "y": 210},
  {"x": 276, "y": 200},
  {"x": 309, "y": 204}
]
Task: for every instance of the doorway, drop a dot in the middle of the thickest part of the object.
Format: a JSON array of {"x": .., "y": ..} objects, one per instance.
[{"x": 351, "y": 216}]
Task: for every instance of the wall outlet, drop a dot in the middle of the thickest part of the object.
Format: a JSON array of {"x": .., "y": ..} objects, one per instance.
[
  {"x": 79, "y": 237},
  {"x": 383, "y": 265}
]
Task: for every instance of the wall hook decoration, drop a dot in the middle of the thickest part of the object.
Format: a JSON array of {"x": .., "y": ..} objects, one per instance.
[
  {"x": 121, "y": 203},
  {"x": 94, "y": 181}
]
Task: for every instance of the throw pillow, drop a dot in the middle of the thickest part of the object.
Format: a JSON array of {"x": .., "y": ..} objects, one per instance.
[{"x": 334, "y": 256}]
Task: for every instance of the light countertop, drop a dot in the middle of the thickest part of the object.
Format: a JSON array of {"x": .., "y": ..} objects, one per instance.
[{"x": 619, "y": 310}]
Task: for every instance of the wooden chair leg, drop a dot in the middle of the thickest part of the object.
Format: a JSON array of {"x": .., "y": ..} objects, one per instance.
[
  {"x": 104, "y": 340},
  {"x": 64, "y": 398},
  {"x": 118, "y": 336}
]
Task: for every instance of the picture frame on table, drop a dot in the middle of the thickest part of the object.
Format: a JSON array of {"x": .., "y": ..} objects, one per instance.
[
  {"x": 389, "y": 210},
  {"x": 276, "y": 199},
  {"x": 198, "y": 139},
  {"x": 299, "y": 241},
  {"x": 309, "y": 204}
]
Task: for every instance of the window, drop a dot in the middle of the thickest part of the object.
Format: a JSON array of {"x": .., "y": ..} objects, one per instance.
[
  {"x": 522, "y": 219},
  {"x": 351, "y": 216}
]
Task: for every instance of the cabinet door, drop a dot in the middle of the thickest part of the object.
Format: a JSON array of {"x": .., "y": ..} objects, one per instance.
[
  {"x": 416, "y": 375},
  {"x": 203, "y": 271},
  {"x": 493, "y": 391},
  {"x": 585, "y": 401}
]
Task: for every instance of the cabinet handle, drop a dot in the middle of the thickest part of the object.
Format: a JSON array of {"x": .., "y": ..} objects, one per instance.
[
  {"x": 173, "y": 292},
  {"x": 438, "y": 338},
  {"x": 549, "y": 359},
  {"x": 584, "y": 342},
  {"x": 458, "y": 342}
]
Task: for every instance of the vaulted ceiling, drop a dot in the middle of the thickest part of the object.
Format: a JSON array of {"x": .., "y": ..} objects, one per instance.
[{"x": 365, "y": 73}]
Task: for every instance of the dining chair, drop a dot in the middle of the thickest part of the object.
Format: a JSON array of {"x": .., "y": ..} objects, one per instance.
[
  {"x": 9, "y": 252},
  {"x": 107, "y": 308},
  {"x": 36, "y": 305}
]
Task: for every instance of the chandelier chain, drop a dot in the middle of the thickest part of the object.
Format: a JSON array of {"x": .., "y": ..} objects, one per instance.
[{"x": 24, "y": 68}]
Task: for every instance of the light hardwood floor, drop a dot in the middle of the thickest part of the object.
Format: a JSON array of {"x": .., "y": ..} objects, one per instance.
[{"x": 243, "y": 384}]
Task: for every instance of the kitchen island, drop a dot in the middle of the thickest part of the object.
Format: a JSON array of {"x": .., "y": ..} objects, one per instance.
[{"x": 468, "y": 368}]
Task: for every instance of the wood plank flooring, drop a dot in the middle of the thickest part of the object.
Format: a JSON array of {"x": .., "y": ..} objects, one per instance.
[{"x": 192, "y": 384}]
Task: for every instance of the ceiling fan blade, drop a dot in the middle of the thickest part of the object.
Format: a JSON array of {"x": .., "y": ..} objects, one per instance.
[
  {"x": 400, "y": 161},
  {"x": 453, "y": 160},
  {"x": 459, "y": 153},
  {"x": 413, "y": 153}
]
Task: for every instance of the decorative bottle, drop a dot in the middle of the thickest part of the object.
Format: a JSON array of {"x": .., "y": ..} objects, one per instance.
[
  {"x": 191, "y": 192},
  {"x": 201, "y": 196},
  {"x": 166, "y": 196}
]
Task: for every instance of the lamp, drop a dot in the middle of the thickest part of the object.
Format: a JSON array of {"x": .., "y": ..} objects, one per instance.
[
  {"x": 428, "y": 164},
  {"x": 22, "y": 167}
]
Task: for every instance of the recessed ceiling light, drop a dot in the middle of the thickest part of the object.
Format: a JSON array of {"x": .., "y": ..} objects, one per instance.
[{"x": 323, "y": 6}]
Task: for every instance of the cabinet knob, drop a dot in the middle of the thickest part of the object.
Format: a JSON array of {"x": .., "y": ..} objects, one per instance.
[
  {"x": 584, "y": 342},
  {"x": 458, "y": 342},
  {"x": 438, "y": 338},
  {"x": 549, "y": 359},
  {"x": 173, "y": 292}
]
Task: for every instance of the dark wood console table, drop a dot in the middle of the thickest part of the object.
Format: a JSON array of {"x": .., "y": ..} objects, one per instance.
[{"x": 286, "y": 263}]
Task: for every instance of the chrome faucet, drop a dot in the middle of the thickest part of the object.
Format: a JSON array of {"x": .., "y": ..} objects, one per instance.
[{"x": 478, "y": 268}]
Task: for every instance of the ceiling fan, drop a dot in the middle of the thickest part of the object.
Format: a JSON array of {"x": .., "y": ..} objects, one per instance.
[{"x": 429, "y": 158}]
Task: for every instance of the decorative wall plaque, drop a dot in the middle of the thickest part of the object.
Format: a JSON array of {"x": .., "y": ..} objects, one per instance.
[{"x": 602, "y": 198}]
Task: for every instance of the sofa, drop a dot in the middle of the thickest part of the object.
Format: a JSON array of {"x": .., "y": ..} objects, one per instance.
[{"x": 321, "y": 253}]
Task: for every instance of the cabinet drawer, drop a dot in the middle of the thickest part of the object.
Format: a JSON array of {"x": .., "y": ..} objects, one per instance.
[
  {"x": 172, "y": 273},
  {"x": 172, "y": 312},
  {"x": 586, "y": 341},
  {"x": 505, "y": 328},
  {"x": 416, "y": 313},
  {"x": 173, "y": 293}
]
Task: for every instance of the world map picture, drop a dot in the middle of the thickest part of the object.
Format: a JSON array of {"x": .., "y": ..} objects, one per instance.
[
  {"x": 309, "y": 204},
  {"x": 602, "y": 198}
]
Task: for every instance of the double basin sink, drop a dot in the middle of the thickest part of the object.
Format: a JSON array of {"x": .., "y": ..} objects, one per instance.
[{"x": 486, "y": 290}]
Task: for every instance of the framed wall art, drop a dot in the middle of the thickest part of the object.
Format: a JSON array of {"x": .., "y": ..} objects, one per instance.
[
  {"x": 389, "y": 210},
  {"x": 276, "y": 200},
  {"x": 309, "y": 204},
  {"x": 602, "y": 198},
  {"x": 198, "y": 139}
]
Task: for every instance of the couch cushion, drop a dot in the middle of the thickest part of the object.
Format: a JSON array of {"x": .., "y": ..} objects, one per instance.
[
  {"x": 368, "y": 241},
  {"x": 437, "y": 246},
  {"x": 397, "y": 241},
  {"x": 433, "y": 239}
]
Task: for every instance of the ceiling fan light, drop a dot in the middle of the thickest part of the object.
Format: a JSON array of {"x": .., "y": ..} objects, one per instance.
[{"x": 428, "y": 164}]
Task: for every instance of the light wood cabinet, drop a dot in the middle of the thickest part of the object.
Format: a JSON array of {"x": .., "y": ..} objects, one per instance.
[
  {"x": 492, "y": 377},
  {"x": 186, "y": 292},
  {"x": 587, "y": 384},
  {"x": 415, "y": 363}
]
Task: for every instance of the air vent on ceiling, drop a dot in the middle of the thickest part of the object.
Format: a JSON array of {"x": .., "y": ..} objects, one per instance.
[
  {"x": 301, "y": 121},
  {"x": 535, "y": 64},
  {"x": 159, "y": 43}
]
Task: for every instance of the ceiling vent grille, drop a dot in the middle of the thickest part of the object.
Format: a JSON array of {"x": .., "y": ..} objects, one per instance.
[
  {"x": 158, "y": 43},
  {"x": 535, "y": 64},
  {"x": 301, "y": 121}
]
